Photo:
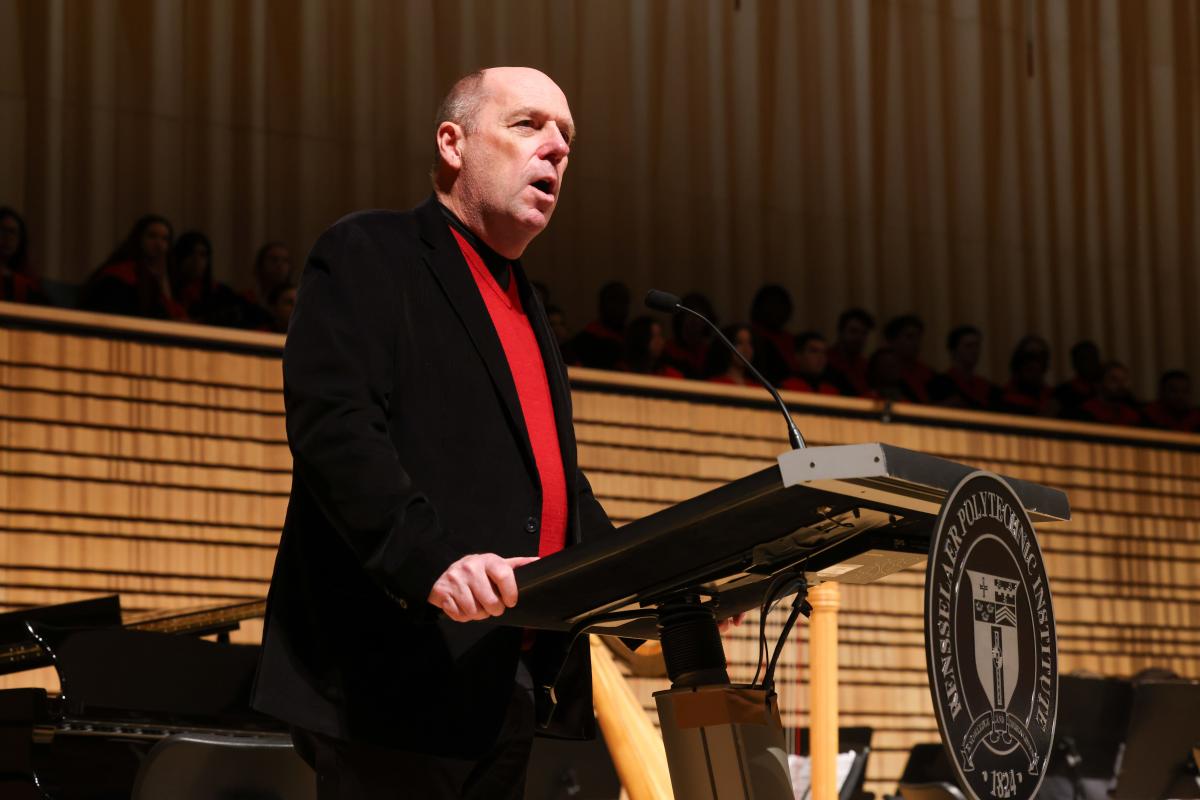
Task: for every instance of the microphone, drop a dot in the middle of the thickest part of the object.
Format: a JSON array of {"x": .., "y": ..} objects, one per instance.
[{"x": 670, "y": 304}]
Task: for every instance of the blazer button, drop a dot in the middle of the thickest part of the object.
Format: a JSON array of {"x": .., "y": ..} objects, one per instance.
[
  {"x": 531, "y": 525},
  {"x": 403, "y": 603}
]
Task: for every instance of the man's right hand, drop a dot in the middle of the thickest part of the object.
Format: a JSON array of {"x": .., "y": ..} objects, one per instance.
[{"x": 478, "y": 586}]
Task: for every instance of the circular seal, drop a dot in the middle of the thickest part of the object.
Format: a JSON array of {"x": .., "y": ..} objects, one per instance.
[{"x": 990, "y": 641}]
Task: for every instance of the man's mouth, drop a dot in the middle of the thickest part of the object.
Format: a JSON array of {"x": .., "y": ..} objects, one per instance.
[{"x": 545, "y": 186}]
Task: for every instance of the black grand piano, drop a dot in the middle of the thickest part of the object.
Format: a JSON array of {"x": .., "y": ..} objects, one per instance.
[{"x": 148, "y": 708}]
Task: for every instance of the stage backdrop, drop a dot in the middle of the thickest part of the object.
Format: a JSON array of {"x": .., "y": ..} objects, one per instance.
[{"x": 1027, "y": 165}]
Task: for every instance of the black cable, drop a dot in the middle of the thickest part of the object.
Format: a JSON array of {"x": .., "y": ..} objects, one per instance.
[
  {"x": 779, "y": 586},
  {"x": 799, "y": 606},
  {"x": 763, "y": 612},
  {"x": 582, "y": 627}
]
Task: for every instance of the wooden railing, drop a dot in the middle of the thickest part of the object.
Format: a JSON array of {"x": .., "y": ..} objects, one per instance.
[{"x": 150, "y": 459}]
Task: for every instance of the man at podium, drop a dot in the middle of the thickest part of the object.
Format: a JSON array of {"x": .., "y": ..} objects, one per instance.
[{"x": 429, "y": 418}]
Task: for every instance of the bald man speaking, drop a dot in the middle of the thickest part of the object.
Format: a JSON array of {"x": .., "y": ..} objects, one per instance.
[{"x": 429, "y": 418}]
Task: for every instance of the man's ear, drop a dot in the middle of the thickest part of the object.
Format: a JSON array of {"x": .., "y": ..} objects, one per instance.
[{"x": 449, "y": 143}]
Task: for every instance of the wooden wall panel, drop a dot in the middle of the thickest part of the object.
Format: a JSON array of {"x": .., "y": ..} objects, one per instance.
[
  {"x": 1027, "y": 167},
  {"x": 150, "y": 460}
]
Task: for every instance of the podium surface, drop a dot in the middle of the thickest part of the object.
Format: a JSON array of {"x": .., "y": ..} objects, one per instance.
[{"x": 851, "y": 513}]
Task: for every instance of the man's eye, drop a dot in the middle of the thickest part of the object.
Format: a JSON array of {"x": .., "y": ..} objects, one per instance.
[{"x": 525, "y": 123}]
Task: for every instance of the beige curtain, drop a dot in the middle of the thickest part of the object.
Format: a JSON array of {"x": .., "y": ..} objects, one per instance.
[{"x": 1027, "y": 165}]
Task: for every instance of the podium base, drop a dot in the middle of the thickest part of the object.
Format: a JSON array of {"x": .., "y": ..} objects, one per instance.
[{"x": 724, "y": 742}]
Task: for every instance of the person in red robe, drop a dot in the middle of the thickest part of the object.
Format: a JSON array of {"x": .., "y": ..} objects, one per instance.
[
  {"x": 1026, "y": 391},
  {"x": 204, "y": 298},
  {"x": 775, "y": 353},
  {"x": 134, "y": 279},
  {"x": 1115, "y": 404},
  {"x": 959, "y": 386},
  {"x": 644, "y": 342},
  {"x": 601, "y": 345},
  {"x": 847, "y": 362},
  {"x": 904, "y": 335},
  {"x": 562, "y": 334},
  {"x": 1088, "y": 366},
  {"x": 722, "y": 366},
  {"x": 812, "y": 360},
  {"x": 885, "y": 372},
  {"x": 689, "y": 342},
  {"x": 18, "y": 284},
  {"x": 272, "y": 268},
  {"x": 1174, "y": 409}
]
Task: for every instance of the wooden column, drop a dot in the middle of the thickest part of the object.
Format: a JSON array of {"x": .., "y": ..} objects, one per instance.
[
  {"x": 633, "y": 742},
  {"x": 823, "y": 690}
]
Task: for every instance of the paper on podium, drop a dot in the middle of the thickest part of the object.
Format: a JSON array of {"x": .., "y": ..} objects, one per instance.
[{"x": 801, "y": 769}]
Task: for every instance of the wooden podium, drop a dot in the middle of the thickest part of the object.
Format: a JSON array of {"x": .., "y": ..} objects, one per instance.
[{"x": 853, "y": 512}]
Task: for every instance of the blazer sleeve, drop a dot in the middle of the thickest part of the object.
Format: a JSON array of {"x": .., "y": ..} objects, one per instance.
[
  {"x": 593, "y": 519},
  {"x": 338, "y": 370}
]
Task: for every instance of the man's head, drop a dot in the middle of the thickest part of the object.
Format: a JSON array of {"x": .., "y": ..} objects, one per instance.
[
  {"x": 689, "y": 330},
  {"x": 854, "y": 326},
  {"x": 1085, "y": 360},
  {"x": 885, "y": 370},
  {"x": 1115, "y": 384},
  {"x": 612, "y": 305},
  {"x": 558, "y": 324},
  {"x": 1030, "y": 362},
  {"x": 771, "y": 307},
  {"x": 903, "y": 334},
  {"x": 282, "y": 301},
  {"x": 812, "y": 353},
  {"x": 272, "y": 267},
  {"x": 12, "y": 239},
  {"x": 1175, "y": 391},
  {"x": 503, "y": 136},
  {"x": 965, "y": 343}
]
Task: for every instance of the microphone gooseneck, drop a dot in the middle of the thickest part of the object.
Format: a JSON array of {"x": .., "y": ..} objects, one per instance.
[{"x": 670, "y": 303}]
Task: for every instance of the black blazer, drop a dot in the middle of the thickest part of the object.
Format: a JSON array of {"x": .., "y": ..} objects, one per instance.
[{"x": 410, "y": 451}]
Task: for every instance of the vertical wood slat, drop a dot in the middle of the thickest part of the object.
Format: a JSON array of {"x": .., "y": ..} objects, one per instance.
[{"x": 1030, "y": 200}]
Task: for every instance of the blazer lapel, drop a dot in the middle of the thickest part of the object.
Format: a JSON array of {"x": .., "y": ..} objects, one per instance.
[{"x": 450, "y": 269}]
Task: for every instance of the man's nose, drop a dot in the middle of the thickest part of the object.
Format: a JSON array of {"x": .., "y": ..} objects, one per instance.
[{"x": 555, "y": 148}]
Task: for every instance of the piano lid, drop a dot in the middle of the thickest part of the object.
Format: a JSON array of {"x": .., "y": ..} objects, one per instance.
[{"x": 19, "y": 651}]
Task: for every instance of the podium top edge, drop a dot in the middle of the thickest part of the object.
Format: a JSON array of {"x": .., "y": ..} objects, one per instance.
[{"x": 905, "y": 478}]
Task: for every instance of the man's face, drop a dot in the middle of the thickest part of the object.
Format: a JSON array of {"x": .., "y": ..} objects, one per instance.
[
  {"x": 744, "y": 342},
  {"x": 276, "y": 265},
  {"x": 814, "y": 357},
  {"x": 657, "y": 342},
  {"x": 908, "y": 342},
  {"x": 853, "y": 336},
  {"x": 194, "y": 264},
  {"x": 1116, "y": 383},
  {"x": 10, "y": 238},
  {"x": 1088, "y": 364},
  {"x": 558, "y": 324},
  {"x": 284, "y": 305},
  {"x": 1177, "y": 394},
  {"x": 966, "y": 352},
  {"x": 156, "y": 241},
  {"x": 514, "y": 157}
]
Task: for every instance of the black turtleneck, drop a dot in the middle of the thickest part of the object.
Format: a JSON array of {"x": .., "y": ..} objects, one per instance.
[{"x": 497, "y": 264}]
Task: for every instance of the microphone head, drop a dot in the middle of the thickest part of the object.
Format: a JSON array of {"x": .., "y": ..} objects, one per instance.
[{"x": 662, "y": 301}]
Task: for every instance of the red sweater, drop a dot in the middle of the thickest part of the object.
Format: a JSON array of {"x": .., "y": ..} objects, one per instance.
[
  {"x": 533, "y": 390},
  {"x": 797, "y": 383}
]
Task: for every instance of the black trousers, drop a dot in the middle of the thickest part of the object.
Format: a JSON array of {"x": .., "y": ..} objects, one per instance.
[{"x": 347, "y": 771}]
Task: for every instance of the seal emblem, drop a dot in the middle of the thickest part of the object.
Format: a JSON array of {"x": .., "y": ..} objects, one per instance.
[{"x": 990, "y": 641}]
